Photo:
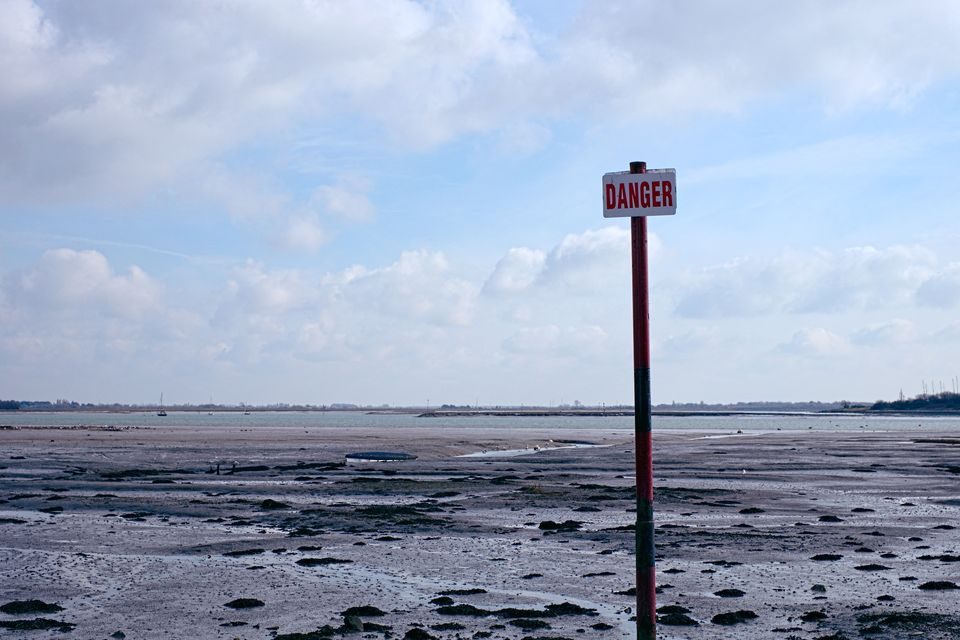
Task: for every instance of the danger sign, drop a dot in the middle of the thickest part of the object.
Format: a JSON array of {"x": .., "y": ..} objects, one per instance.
[{"x": 653, "y": 193}]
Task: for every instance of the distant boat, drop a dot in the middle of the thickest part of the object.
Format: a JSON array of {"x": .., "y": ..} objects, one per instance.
[{"x": 161, "y": 412}]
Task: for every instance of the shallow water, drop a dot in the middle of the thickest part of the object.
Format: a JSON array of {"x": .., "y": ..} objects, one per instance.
[{"x": 348, "y": 419}]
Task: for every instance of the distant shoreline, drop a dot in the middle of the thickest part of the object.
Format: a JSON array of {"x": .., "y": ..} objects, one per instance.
[
  {"x": 510, "y": 413},
  {"x": 672, "y": 413}
]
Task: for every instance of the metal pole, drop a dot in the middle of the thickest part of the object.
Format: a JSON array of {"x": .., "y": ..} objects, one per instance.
[{"x": 646, "y": 563}]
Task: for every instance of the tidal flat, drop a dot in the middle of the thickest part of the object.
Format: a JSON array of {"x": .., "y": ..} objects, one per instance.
[{"x": 113, "y": 532}]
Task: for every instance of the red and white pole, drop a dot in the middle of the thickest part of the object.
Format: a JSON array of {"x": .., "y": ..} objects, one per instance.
[{"x": 646, "y": 562}]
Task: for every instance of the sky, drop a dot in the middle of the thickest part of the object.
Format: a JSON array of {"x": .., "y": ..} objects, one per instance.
[{"x": 400, "y": 202}]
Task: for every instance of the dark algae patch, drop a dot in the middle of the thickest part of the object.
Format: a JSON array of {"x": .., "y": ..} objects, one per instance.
[
  {"x": 550, "y": 611},
  {"x": 729, "y": 593},
  {"x": 913, "y": 623},
  {"x": 244, "y": 603},
  {"x": 320, "y": 562},
  {"x": 365, "y": 611},
  {"x": 269, "y": 504},
  {"x": 733, "y": 617},
  {"x": 528, "y": 624},
  {"x": 566, "y": 525},
  {"x": 813, "y": 616},
  {"x": 244, "y": 552},
  {"x": 37, "y": 624},
  {"x": 939, "y": 585},
  {"x": 677, "y": 619},
  {"x": 25, "y": 607},
  {"x": 326, "y": 631}
]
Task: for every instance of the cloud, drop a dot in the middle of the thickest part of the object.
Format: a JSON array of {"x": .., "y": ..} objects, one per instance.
[
  {"x": 417, "y": 286},
  {"x": 65, "y": 281},
  {"x": 304, "y": 232},
  {"x": 663, "y": 57},
  {"x": 838, "y": 157},
  {"x": 942, "y": 290},
  {"x": 113, "y": 101},
  {"x": 73, "y": 309},
  {"x": 885, "y": 333},
  {"x": 347, "y": 199},
  {"x": 516, "y": 271},
  {"x": 689, "y": 343},
  {"x": 815, "y": 342},
  {"x": 812, "y": 282},
  {"x": 949, "y": 333},
  {"x": 582, "y": 263},
  {"x": 579, "y": 342},
  {"x": 262, "y": 292}
]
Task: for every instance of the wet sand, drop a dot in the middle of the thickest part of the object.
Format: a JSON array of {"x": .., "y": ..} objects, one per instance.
[{"x": 790, "y": 535}]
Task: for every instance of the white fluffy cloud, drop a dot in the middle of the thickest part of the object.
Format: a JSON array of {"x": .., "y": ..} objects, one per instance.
[
  {"x": 114, "y": 99},
  {"x": 72, "y": 308},
  {"x": 942, "y": 289},
  {"x": 65, "y": 281},
  {"x": 665, "y": 56},
  {"x": 346, "y": 199},
  {"x": 583, "y": 263},
  {"x": 516, "y": 271},
  {"x": 304, "y": 231},
  {"x": 417, "y": 286},
  {"x": 820, "y": 281}
]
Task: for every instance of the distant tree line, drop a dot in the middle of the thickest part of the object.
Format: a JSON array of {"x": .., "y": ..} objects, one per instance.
[{"x": 945, "y": 401}]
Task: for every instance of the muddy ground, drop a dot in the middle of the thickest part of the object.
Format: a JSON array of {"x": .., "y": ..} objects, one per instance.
[{"x": 132, "y": 533}]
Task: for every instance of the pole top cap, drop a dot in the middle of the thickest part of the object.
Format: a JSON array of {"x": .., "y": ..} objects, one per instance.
[{"x": 638, "y": 167}]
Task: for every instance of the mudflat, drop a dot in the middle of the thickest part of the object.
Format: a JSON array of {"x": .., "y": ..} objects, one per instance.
[{"x": 133, "y": 532}]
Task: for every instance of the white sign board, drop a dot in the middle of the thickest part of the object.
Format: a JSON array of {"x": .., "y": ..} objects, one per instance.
[{"x": 653, "y": 193}]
